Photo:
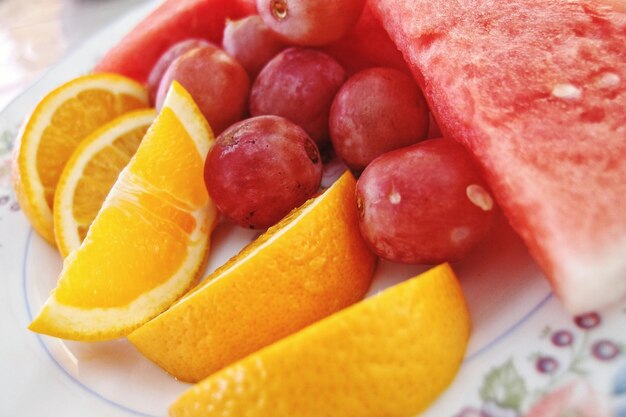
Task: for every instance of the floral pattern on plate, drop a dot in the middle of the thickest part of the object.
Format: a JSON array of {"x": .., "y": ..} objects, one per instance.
[
  {"x": 7, "y": 138},
  {"x": 563, "y": 380},
  {"x": 7, "y": 197}
]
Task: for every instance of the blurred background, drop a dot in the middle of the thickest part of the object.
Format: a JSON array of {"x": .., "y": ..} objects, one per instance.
[{"x": 35, "y": 34}]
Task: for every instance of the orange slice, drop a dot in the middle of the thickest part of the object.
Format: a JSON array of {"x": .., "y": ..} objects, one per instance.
[
  {"x": 148, "y": 243},
  {"x": 311, "y": 264},
  {"x": 90, "y": 173},
  {"x": 390, "y": 355},
  {"x": 58, "y": 124}
]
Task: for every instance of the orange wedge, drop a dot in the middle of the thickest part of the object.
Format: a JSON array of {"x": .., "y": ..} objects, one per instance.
[
  {"x": 90, "y": 173},
  {"x": 149, "y": 242},
  {"x": 311, "y": 264},
  {"x": 390, "y": 355},
  {"x": 63, "y": 119}
]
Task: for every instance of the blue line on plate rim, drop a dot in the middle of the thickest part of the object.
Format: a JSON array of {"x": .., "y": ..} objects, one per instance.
[
  {"x": 468, "y": 359},
  {"x": 510, "y": 330},
  {"x": 45, "y": 348}
]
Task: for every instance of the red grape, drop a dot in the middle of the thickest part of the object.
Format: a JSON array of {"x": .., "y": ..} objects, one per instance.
[
  {"x": 251, "y": 43},
  {"x": 299, "y": 84},
  {"x": 310, "y": 22},
  {"x": 377, "y": 110},
  {"x": 425, "y": 203},
  {"x": 178, "y": 49},
  {"x": 260, "y": 169},
  {"x": 218, "y": 84}
]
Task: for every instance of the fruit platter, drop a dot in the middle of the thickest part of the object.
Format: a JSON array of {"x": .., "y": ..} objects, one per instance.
[{"x": 282, "y": 208}]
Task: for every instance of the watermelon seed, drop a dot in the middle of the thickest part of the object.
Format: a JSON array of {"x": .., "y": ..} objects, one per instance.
[
  {"x": 566, "y": 92},
  {"x": 479, "y": 197},
  {"x": 608, "y": 80}
]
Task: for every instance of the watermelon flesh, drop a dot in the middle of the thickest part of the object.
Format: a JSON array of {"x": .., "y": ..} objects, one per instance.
[
  {"x": 173, "y": 21},
  {"x": 536, "y": 90}
]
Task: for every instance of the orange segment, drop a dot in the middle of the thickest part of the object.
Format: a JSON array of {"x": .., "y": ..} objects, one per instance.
[
  {"x": 310, "y": 265},
  {"x": 64, "y": 118},
  {"x": 100, "y": 175},
  {"x": 390, "y": 355},
  {"x": 90, "y": 173},
  {"x": 87, "y": 286},
  {"x": 161, "y": 168},
  {"x": 148, "y": 243},
  {"x": 72, "y": 122}
]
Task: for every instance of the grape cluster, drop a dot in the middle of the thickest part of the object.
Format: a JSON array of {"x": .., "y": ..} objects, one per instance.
[{"x": 278, "y": 103}]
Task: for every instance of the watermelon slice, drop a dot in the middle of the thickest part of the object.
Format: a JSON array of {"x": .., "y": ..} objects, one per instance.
[
  {"x": 536, "y": 89},
  {"x": 173, "y": 21}
]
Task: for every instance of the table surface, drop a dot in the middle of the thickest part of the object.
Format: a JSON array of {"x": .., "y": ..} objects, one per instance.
[{"x": 35, "y": 34}]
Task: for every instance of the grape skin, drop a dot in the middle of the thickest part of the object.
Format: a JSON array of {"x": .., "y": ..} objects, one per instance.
[
  {"x": 376, "y": 111},
  {"x": 299, "y": 84},
  {"x": 251, "y": 43},
  {"x": 260, "y": 169},
  {"x": 415, "y": 204},
  {"x": 176, "y": 50},
  {"x": 310, "y": 22},
  {"x": 218, "y": 84}
]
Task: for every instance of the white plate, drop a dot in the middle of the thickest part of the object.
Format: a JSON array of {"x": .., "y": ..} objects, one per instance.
[{"x": 514, "y": 360}]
